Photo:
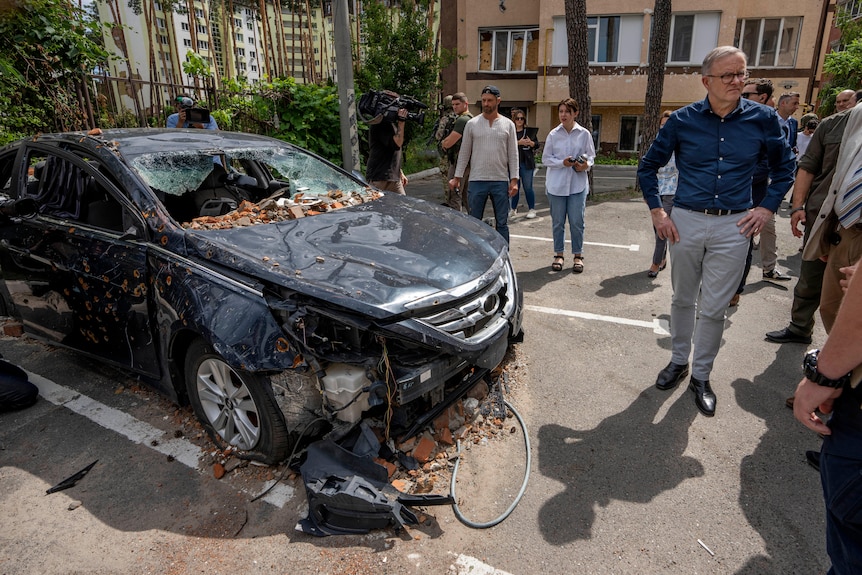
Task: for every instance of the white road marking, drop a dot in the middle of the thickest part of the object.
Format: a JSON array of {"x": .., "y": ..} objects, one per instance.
[
  {"x": 137, "y": 431},
  {"x": 630, "y": 247},
  {"x": 659, "y": 326},
  {"x": 467, "y": 565}
]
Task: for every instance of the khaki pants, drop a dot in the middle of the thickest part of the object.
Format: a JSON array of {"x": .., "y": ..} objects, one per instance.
[{"x": 458, "y": 201}]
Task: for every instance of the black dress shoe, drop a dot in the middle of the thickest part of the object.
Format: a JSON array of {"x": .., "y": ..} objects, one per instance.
[
  {"x": 670, "y": 376},
  {"x": 704, "y": 398},
  {"x": 813, "y": 458},
  {"x": 787, "y": 336}
]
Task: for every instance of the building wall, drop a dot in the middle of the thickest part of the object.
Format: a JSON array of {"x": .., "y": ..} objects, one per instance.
[{"x": 617, "y": 90}]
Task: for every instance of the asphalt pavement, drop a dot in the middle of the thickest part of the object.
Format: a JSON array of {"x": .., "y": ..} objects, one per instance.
[{"x": 625, "y": 478}]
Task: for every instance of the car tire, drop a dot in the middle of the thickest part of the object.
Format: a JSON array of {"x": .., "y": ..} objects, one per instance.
[{"x": 234, "y": 406}]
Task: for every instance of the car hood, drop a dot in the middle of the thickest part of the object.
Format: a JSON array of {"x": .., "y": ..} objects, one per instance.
[{"x": 375, "y": 258}]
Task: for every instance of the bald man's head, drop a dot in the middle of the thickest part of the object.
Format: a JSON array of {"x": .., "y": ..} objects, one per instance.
[{"x": 845, "y": 100}]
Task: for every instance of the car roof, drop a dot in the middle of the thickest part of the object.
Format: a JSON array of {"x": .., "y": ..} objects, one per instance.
[{"x": 132, "y": 142}]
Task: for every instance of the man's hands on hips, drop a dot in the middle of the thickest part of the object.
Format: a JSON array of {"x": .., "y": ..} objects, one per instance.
[
  {"x": 663, "y": 225},
  {"x": 752, "y": 223}
]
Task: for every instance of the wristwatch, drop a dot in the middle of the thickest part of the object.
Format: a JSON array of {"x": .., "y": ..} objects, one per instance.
[
  {"x": 799, "y": 209},
  {"x": 809, "y": 368}
]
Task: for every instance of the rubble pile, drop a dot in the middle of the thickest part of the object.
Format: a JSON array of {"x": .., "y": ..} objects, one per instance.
[{"x": 270, "y": 210}]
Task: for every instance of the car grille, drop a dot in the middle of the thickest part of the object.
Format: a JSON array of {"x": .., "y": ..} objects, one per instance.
[{"x": 481, "y": 314}]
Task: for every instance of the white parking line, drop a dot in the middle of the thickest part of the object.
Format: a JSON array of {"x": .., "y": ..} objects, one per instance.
[
  {"x": 658, "y": 326},
  {"x": 466, "y": 565},
  {"x": 630, "y": 247},
  {"x": 137, "y": 431}
]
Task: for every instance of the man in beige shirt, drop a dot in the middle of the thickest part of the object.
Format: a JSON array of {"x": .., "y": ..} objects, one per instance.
[{"x": 490, "y": 146}]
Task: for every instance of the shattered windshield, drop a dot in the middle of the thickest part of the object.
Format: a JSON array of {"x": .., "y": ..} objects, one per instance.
[{"x": 176, "y": 173}]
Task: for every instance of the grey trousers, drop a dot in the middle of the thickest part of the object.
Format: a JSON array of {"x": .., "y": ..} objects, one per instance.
[{"x": 707, "y": 266}]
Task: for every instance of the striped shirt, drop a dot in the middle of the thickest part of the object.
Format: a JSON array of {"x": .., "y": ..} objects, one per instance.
[{"x": 490, "y": 149}]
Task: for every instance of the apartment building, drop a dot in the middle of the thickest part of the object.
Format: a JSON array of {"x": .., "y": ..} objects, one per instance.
[
  {"x": 522, "y": 48},
  {"x": 234, "y": 40}
]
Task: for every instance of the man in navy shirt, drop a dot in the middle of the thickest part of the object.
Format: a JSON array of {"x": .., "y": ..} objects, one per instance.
[{"x": 717, "y": 143}]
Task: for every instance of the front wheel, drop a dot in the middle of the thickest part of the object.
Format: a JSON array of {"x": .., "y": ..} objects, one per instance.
[{"x": 234, "y": 406}]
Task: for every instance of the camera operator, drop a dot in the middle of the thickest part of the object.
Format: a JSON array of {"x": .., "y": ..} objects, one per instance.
[
  {"x": 385, "y": 142},
  {"x": 178, "y": 120}
]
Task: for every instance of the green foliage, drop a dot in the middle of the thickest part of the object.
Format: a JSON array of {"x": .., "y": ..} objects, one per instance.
[
  {"x": 399, "y": 53},
  {"x": 302, "y": 114},
  {"x": 843, "y": 67},
  {"x": 196, "y": 66},
  {"x": 612, "y": 159},
  {"x": 46, "y": 49}
]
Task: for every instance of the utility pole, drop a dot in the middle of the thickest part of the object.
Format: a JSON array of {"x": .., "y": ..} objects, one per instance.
[{"x": 346, "y": 93}]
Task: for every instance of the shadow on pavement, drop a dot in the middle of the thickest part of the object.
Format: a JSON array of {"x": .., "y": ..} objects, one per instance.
[{"x": 626, "y": 457}]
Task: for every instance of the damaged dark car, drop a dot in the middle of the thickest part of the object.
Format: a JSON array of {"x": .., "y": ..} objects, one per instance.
[{"x": 252, "y": 279}]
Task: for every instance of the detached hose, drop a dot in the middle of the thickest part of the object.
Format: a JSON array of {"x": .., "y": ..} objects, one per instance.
[{"x": 518, "y": 497}]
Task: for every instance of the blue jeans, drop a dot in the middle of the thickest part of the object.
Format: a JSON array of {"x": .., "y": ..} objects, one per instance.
[
  {"x": 842, "y": 489},
  {"x": 573, "y": 207},
  {"x": 478, "y": 196},
  {"x": 526, "y": 184}
]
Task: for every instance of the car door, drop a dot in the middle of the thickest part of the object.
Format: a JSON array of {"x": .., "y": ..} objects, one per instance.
[{"x": 76, "y": 273}]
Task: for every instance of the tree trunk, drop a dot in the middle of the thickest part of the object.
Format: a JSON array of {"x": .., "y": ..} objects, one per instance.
[
  {"x": 659, "y": 41},
  {"x": 579, "y": 68}
]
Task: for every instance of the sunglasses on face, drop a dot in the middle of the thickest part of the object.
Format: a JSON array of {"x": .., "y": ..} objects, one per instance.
[{"x": 749, "y": 95}]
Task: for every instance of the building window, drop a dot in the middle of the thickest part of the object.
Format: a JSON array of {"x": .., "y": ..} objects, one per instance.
[
  {"x": 250, "y": 26},
  {"x": 237, "y": 22},
  {"x": 163, "y": 39},
  {"x": 252, "y": 54},
  {"x": 597, "y": 130},
  {"x": 769, "y": 42},
  {"x": 629, "y": 133},
  {"x": 239, "y": 38},
  {"x": 852, "y": 8},
  {"x": 203, "y": 45},
  {"x": 184, "y": 25},
  {"x": 240, "y": 51},
  {"x": 254, "y": 68},
  {"x": 199, "y": 13},
  {"x": 201, "y": 29},
  {"x": 158, "y": 6},
  {"x": 692, "y": 36},
  {"x": 509, "y": 50},
  {"x": 187, "y": 43},
  {"x": 248, "y": 12},
  {"x": 610, "y": 39},
  {"x": 160, "y": 22}
]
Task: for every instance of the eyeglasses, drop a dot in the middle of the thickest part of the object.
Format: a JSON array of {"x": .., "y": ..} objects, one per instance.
[
  {"x": 730, "y": 77},
  {"x": 749, "y": 95}
]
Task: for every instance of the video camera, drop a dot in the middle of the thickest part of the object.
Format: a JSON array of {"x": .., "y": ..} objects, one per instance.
[
  {"x": 375, "y": 106},
  {"x": 193, "y": 115}
]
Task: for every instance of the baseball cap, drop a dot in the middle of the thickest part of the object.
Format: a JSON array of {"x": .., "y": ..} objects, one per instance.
[{"x": 491, "y": 90}]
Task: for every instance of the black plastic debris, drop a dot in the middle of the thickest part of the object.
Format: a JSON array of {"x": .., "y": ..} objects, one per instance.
[
  {"x": 71, "y": 480},
  {"x": 350, "y": 494}
]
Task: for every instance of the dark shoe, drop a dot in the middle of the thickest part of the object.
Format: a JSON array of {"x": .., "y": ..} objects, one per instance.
[
  {"x": 813, "y": 459},
  {"x": 557, "y": 265},
  {"x": 734, "y": 301},
  {"x": 787, "y": 336},
  {"x": 578, "y": 266},
  {"x": 670, "y": 376},
  {"x": 652, "y": 274},
  {"x": 775, "y": 276},
  {"x": 704, "y": 398}
]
